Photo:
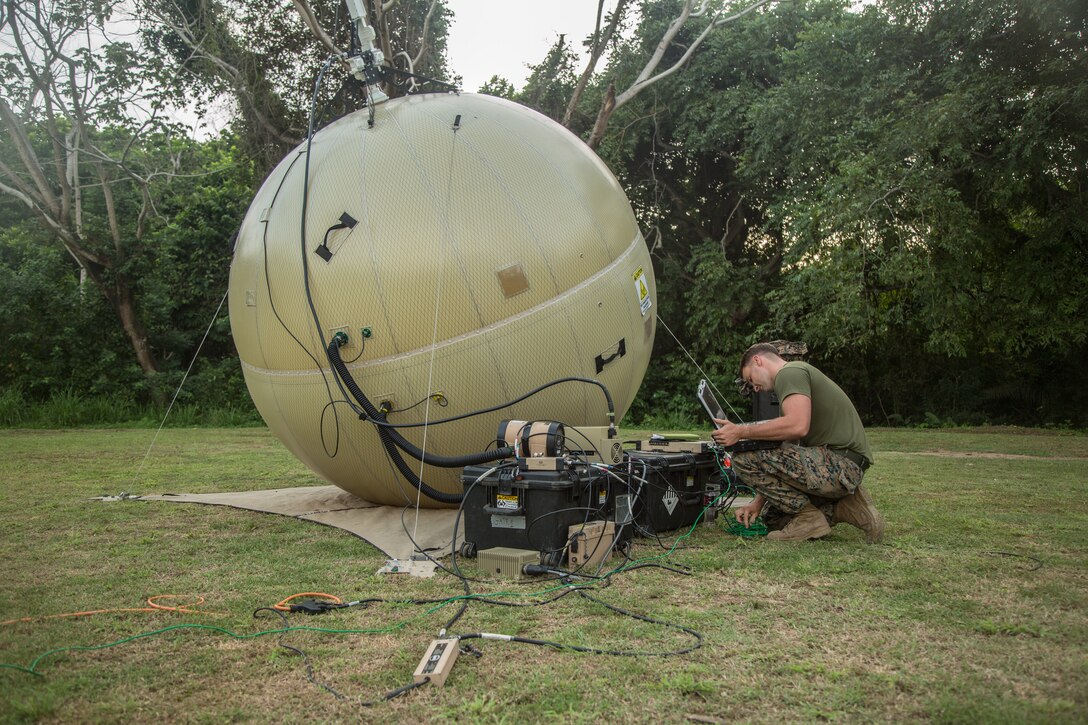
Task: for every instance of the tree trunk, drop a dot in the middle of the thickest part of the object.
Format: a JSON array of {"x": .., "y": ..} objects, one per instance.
[
  {"x": 608, "y": 105},
  {"x": 119, "y": 294},
  {"x": 134, "y": 329}
]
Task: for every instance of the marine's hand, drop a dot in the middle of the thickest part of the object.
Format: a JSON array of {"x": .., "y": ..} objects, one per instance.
[
  {"x": 727, "y": 434},
  {"x": 747, "y": 514}
]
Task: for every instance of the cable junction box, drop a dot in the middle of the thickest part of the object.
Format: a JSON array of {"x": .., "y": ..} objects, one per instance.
[
  {"x": 541, "y": 463},
  {"x": 590, "y": 543},
  {"x": 505, "y": 561},
  {"x": 591, "y": 443},
  {"x": 438, "y": 661}
]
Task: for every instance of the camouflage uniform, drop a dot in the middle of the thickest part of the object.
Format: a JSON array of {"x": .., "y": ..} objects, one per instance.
[{"x": 791, "y": 476}]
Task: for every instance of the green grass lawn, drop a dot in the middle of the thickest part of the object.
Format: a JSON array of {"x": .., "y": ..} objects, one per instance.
[{"x": 973, "y": 609}]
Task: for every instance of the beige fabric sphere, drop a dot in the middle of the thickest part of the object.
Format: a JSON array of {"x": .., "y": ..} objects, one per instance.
[{"x": 492, "y": 252}]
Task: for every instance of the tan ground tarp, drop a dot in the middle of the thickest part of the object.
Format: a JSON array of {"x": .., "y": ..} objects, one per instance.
[{"x": 382, "y": 526}]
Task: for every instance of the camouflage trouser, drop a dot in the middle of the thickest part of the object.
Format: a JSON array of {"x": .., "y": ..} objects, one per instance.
[{"x": 791, "y": 476}]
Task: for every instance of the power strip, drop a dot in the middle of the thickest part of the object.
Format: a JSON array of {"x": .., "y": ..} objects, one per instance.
[{"x": 437, "y": 663}]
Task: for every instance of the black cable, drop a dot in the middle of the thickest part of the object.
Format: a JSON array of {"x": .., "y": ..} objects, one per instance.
[
  {"x": 464, "y": 580},
  {"x": 1038, "y": 561},
  {"x": 681, "y": 569},
  {"x": 608, "y": 400},
  {"x": 325, "y": 686},
  {"x": 457, "y": 521},
  {"x": 417, "y": 548},
  {"x": 394, "y": 442},
  {"x": 302, "y": 232},
  {"x": 595, "y": 650},
  {"x": 375, "y": 415},
  {"x": 326, "y": 606},
  {"x": 529, "y": 525},
  {"x": 287, "y": 329},
  {"x": 645, "y": 618}
]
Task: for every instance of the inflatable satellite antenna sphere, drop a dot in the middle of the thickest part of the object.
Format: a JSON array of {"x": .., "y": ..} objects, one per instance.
[{"x": 455, "y": 252}]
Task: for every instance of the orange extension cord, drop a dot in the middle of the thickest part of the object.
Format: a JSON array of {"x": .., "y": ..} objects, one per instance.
[
  {"x": 285, "y": 607},
  {"x": 152, "y": 606}
]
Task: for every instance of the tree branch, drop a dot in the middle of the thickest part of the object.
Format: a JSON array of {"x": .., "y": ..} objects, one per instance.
[
  {"x": 319, "y": 32},
  {"x": 600, "y": 41},
  {"x": 228, "y": 72},
  {"x": 423, "y": 44},
  {"x": 26, "y": 155},
  {"x": 649, "y": 73},
  {"x": 111, "y": 208}
]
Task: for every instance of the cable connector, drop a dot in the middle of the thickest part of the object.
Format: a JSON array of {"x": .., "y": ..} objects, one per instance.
[
  {"x": 467, "y": 649},
  {"x": 315, "y": 606}
]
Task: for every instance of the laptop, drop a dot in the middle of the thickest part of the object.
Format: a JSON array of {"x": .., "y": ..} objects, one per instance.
[{"x": 714, "y": 410}]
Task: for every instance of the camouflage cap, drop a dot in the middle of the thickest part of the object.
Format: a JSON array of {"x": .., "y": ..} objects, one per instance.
[{"x": 787, "y": 350}]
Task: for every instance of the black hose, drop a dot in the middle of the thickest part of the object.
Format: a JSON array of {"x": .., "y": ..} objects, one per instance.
[
  {"x": 590, "y": 381},
  {"x": 394, "y": 442}
]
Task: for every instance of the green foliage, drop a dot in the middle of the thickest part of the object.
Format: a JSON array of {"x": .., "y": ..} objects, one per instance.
[
  {"x": 57, "y": 334},
  {"x": 69, "y": 408},
  {"x": 62, "y": 336},
  {"x": 899, "y": 186},
  {"x": 551, "y": 82},
  {"x": 716, "y": 255},
  {"x": 946, "y": 154},
  {"x": 500, "y": 87}
]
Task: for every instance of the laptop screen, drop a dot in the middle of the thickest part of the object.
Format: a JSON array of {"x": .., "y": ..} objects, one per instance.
[{"x": 710, "y": 403}]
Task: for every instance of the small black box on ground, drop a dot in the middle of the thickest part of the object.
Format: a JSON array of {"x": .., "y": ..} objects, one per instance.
[
  {"x": 531, "y": 509},
  {"x": 671, "y": 494}
]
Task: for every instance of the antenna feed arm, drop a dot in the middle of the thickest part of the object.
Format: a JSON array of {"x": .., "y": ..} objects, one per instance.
[
  {"x": 367, "y": 65},
  {"x": 367, "y": 68}
]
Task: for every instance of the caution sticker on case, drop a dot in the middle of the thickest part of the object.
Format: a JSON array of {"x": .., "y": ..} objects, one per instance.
[{"x": 506, "y": 501}]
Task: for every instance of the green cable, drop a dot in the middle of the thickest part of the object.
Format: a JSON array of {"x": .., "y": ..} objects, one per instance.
[
  {"x": 757, "y": 528},
  {"x": 753, "y": 530},
  {"x": 90, "y": 648}
]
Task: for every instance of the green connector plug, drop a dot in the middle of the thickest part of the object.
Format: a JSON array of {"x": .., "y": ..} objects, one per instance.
[{"x": 367, "y": 333}]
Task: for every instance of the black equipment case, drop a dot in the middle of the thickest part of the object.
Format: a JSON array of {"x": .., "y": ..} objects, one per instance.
[
  {"x": 672, "y": 495},
  {"x": 765, "y": 405},
  {"x": 531, "y": 509}
]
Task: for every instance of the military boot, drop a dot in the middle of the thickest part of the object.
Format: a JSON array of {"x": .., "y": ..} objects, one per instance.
[
  {"x": 857, "y": 509},
  {"x": 809, "y": 523}
]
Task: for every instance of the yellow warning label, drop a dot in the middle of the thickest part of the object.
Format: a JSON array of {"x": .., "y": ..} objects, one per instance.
[
  {"x": 643, "y": 290},
  {"x": 506, "y": 501},
  {"x": 637, "y": 274}
]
